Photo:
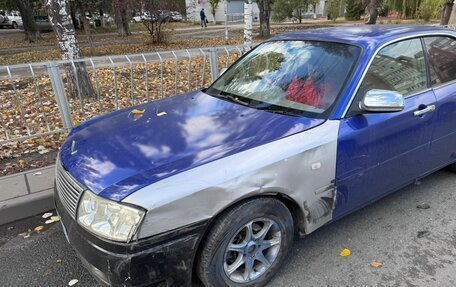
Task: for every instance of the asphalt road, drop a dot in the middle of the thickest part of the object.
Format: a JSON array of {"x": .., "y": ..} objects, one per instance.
[{"x": 386, "y": 231}]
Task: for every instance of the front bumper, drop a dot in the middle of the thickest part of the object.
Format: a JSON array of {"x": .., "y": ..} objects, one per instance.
[{"x": 163, "y": 260}]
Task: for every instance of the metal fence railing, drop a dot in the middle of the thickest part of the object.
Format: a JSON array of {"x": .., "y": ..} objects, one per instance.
[{"x": 35, "y": 98}]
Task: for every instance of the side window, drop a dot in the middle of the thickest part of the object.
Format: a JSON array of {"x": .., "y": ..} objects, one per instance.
[
  {"x": 442, "y": 58},
  {"x": 398, "y": 67}
]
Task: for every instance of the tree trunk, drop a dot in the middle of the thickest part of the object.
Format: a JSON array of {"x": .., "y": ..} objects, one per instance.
[
  {"x": 30, "y": 30},
  {"x": 102, "y": 19},
  {"x": 120, "y": 8},
  {"x": 248, "y": 19},
  {"x": 372, "y": 11},
  {"x": 452, "y": 20},
  {"x": 265, "y": 13},
  {"x": 446, "y": 13},
  {"x": 82, "y": 7},
  {"x": 77, "y": 77}
]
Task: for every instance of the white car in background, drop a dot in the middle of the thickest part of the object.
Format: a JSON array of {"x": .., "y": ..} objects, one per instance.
[
  {"x": 140, "y": 17},
  {"x": 10, "y": 19}
]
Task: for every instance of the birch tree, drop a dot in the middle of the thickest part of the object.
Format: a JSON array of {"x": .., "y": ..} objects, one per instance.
[
  {"x": 452, "y": 20},
  {"x": 248, "y": 19},
  {"x": 77, "y": 77}
]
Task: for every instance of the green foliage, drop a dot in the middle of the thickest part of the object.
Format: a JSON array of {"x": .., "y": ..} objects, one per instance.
[
  {"x": 416, "y": 8},
  {"x": 333, "y": 9},
  {"x": 214, "y": 4},
  {"x": 429, "y": 9},
  {"x": 354, "y": 9},
  {"x": 8, "y": 5},
  {"x": 283, "y": 9},
  {"x": 383, "y": 10}
]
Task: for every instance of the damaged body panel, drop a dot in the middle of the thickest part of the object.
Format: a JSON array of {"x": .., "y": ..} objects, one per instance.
[
  {"x": 281, "y": 167},
  {"x": 197, "y": 129},
  {"x": 302, "y": 130}
]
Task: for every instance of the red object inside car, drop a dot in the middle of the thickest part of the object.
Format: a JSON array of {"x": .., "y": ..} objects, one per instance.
[{"x": 305, "y": 92}]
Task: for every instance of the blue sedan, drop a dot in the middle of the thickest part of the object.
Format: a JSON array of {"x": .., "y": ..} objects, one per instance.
[{"x": 212, "y": 186}]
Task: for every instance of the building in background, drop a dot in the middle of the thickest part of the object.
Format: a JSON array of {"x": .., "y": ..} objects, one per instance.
[{"x": 235, "y": 10}]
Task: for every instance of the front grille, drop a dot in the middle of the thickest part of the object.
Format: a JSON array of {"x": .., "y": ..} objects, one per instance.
[{"x": 68, "y": 189}]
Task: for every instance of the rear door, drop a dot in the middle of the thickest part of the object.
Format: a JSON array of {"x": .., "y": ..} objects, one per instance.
[
  {"x": 381, "y": 152},
  {"x": 441, "y": 52}
]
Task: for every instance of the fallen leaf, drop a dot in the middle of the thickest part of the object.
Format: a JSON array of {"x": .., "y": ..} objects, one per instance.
[
  {"x": 376, "y": 264},
  {"x": 10, "y": 228},
  {"x": 44, "y": 151},
  {"x": 423, "y": 206},
  {"x": 161, "y": 114},
  {"x": 48, "y": 272},
  {"x": 38, "y": 228},
  {"x": 47, "y": 214},
  {"x": 38, "y": 173},
  {"x": 58, "y": 261},
  {"x": 73, "y": 282},
  {"x": 55, "y": 218},
  {"x": 345, "y": 253},
  {"x": 49, "y": 221},
  {"x": 137, "y": 112}
]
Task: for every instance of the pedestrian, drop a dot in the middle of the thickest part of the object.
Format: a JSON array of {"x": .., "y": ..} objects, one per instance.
[{"x": 203, "y": 18}]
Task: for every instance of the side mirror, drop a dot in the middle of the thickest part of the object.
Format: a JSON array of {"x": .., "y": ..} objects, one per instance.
[{"x": 382, "y": 101}]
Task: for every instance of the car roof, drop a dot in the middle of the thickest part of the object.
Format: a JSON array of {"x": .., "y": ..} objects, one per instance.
[{"x": 363, "y": 35}]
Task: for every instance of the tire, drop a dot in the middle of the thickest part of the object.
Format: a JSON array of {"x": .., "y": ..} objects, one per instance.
[
  {"x": 452, "y": 167},
  {"x": 15, "y": 26},
  {"x": 217, "y": 266}
]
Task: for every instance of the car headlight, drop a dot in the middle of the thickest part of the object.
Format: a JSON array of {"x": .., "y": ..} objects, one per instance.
[{"x": 108, "y": 219}]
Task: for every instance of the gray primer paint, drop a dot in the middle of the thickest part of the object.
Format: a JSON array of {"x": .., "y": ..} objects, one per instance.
[{"x": 301, "y": 166}]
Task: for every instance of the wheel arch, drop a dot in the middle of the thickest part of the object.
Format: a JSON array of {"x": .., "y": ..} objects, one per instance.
[{"x": 295, "y": 210}]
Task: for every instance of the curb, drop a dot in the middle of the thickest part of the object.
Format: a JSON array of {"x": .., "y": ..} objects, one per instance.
[
  {"x": 26, "y": 194},
  {"x": 26, "y": 206}
]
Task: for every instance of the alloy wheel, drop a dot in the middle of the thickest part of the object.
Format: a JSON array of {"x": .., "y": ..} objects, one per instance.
[{"x": 252, "y": 250}]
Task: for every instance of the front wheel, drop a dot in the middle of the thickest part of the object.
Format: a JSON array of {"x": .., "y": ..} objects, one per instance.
[
  {"x": 247, "y": 244},
  {"x": 15, "y": 26}
]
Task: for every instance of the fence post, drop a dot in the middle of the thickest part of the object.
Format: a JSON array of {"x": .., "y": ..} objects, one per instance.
[
  {"x": 59, "y": 91},
  {"x": 214, "y": 64}
]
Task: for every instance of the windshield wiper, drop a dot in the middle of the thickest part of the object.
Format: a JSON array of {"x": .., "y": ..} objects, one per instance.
[
  {"x": 233, "y": 98},
  {"x": 278, "y": 110}
]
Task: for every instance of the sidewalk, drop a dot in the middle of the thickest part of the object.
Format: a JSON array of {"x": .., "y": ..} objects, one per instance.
[{"x": 25, "y": 194}]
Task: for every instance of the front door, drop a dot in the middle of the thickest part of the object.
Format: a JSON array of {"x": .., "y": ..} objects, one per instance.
[
  {"x": 381, "y": 152},
  {"x": 442, "y": 61}
]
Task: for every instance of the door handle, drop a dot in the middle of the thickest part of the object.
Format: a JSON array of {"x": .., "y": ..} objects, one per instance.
[{"x": 428, "y": 109}]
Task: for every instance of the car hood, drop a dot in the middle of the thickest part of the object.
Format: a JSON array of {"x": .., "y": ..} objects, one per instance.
[{"x": 116, "y": 154}]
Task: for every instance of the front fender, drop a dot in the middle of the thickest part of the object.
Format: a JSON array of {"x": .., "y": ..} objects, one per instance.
[{"x": 301, "y": 166}]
